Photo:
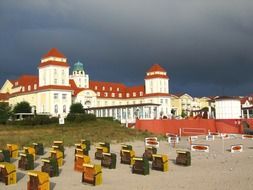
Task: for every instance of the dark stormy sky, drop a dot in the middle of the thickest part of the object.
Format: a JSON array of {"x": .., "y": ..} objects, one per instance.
[{"x": 206, "y": 46}]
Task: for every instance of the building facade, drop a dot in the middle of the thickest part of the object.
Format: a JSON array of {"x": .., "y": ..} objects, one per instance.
[{"x": 54, "y": 90}]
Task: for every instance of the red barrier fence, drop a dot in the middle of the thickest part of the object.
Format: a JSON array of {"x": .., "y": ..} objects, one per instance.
[{"x": 189, "y": 127}]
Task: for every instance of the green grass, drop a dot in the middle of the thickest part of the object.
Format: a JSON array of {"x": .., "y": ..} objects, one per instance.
[{"x": 70, "y": 133}]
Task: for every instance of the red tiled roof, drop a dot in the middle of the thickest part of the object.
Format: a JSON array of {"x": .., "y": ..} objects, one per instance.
[
  {"x": 107, "y": 86},
  {"x": 243, "y": 100},
  {"x": 54, "y": 53},
  {"x": 156, "y": 76},
  {"x": 4, "y": 96},
  {"x": 246, "y": 98},
  {"x": 108, "y": 89},
  {"x": 74, "y": 87},
  {"x": 156, "y": 67},
  {"x": 33, "y": 81},
  {"x": 56, "y": 63},
  {"x": 26, "y": 80},
  {"x": 157, "y": 94},
  {"x": 55, "y": 87}
]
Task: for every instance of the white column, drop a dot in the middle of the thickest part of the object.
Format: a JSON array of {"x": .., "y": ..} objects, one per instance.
[
  {"x": 247, "y": 113},
  {"x": 121, "y": 115}
]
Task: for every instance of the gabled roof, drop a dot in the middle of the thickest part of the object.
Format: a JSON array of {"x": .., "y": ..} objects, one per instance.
[
  {"x": 54, "y": 52},
  {"x": 226, "y": 98},
  {"x": 181, "y": 94}
]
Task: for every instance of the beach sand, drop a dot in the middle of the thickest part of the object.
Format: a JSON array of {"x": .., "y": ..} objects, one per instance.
[{"x": 218, "y": 169}]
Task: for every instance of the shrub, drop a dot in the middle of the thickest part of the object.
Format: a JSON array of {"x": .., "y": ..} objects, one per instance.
[
  {"x": 37, "y": 120},
  {"x": 22, "y": 107},
  {"x": 5, "y": 112},
  {"x": 76, "y": 108},
  {"x": 80, "y": 117},
  {"x": 106, "y": 118}
]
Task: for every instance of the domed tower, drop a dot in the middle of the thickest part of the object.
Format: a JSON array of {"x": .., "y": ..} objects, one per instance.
[
  {"x": 156, "y": 80},
  {"x": 81, "y": 79}
]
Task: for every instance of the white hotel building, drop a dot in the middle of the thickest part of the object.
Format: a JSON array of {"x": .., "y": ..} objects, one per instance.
[{"x": 55, "y": 89}]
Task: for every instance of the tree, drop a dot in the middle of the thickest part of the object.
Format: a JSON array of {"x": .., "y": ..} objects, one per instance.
[
  {"x": 183, "y": 114},
  {"x": 76, "y": 108},
  {"x": 22, "y": 107},
  {"x": 5, "y": 112}
]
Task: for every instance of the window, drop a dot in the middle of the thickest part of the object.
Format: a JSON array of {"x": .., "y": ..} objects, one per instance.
[
  {"x": 110, "y": 88},
  {"x": 120, "y": 95},
  {"x": 117, "y": 89},
  {"x": 141, "y": 93},
  {"x": 55, "y": 71},
  {"x": 166, "y": 101},
  {"x": 105, "y": 94},
  {"x": 64, "y": 109},
  {"x": 134, "y": 94},
  {"x": 35, "y": 86},
  {"x": 98, "y": 93},
  {"x": 55, "y": 108},
  {"x": 29, "y": 87},
  {"x": 63, "y": 81},
  {"x": 161, "y": 101},
  {"x": 96, "y": 87},
  {"x": 64, "y": 96},
  {"x": 127, "y": 95},
  {"x": 113, "y": 94},
  {"x": 55, "y": 81},
  {"x": 55, "y": 96},
  {"x": 103, "y": 88}
]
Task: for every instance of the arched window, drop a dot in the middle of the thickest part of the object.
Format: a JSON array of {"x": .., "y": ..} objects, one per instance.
[
  {"x": 64, "y": 108},
  {"x": 55, "y": 108}
]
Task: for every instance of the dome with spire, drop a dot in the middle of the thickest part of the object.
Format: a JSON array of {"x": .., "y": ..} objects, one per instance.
[{"x": 78, "y": 66}]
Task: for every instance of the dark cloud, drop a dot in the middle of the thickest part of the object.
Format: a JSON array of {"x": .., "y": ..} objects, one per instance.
[{"x": 206, "y": 46}]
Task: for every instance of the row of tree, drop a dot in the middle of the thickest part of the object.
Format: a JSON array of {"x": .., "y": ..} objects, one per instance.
[
  {"x": 6, "y": 112},
  {"x": 76, "y": 111}
]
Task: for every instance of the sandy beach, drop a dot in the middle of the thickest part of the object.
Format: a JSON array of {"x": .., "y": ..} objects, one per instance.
[{"x": 218, "y": 169}]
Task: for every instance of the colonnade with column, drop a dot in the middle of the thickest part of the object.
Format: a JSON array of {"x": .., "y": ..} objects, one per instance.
[{"x": 127, "y": 114}]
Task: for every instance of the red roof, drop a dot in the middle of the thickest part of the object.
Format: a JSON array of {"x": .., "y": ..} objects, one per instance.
[
  {"x": 156, "y": 76},
  {"x": 156, "y": 67},
  {"x": 54, "y": 53},
  {"x": 74, "y": 87},
  {"x": 4, "y": 96},
  {"x": 55, "y": 87},
  {"x": 56, "y": 63},
  {"x": 26, "y": 80}
]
